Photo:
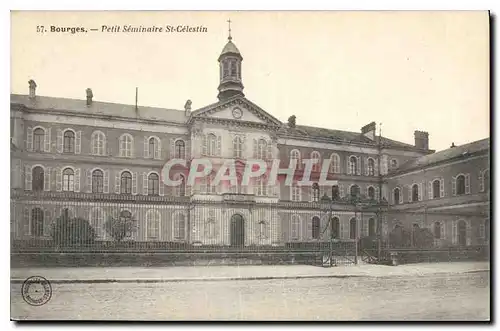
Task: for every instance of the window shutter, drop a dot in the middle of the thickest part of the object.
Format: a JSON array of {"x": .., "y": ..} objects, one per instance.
[
  {"x": 409, "y": 193},
  {"x": 358, "y": 168},
  {"x": 146, "y": 147},
  {"x": 77, "y": 180},
  {"x": 377, "y": 194},
  {"x": 46, "y": 179},
  {"x": 26, "y": 222},
  {"x": 430, "y": 191},
  {"x": 172, "y": 148},
  {"x": 29, "y": 139},
  {"x": 454, "y": 186},
  {"x": 481, "y": 182},
  {"x": 88, "y": 175},
  {"x": 117, "y": 182},
  {"x": 467, "y": 184},
  {"x": 144, "y": 183},
  {"x": 341, "y": 190},
  {"x": 364, "y": 230},
  {"x": 401, "y": 195},
  {"x": 348, "y": 166},
  {"x": 46, "y": 223},
  {"x": 132, "y": 147},
  {"x": 158, "y": 149},
  {"x": 376, "y": 167},
  {"x": 454, "y": 234},
  {"x": 59, "y": 141},
  {"x": 58, "y": 179},
  {"x": 78, "y": 142},
  {"x": 47, "y": 140},
  {"x": 269, "y": 149},
  {"x": 309, "y": 229},
  {"x": 420, "y": 192},
  {"x": 255, "y": 145},
  {"x": 134, "y": 183},
  {"x": 481, "y": 231},
  {"x": 443, "y": 231},
  {"x": 28, "y": 178},
  {"x": 219, "y": 146},
  {"x": 365, "y": 160},
  {"x": 105, "y": 185},
  {"x": 468, "y": 234},
  {"x": 441, "y": 188},
  {"x": 187, "y": 149}
]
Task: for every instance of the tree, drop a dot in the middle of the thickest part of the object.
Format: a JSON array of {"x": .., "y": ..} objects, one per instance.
[
  {"x": 67, "y": 231},
  {"x": 120, "y": 227},
  {"x": 399, "y": 237},
  {"x": 422, "y": 238}
]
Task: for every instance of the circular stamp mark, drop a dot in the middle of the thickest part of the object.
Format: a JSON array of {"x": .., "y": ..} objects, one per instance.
[{"x": 36, "y": 290}]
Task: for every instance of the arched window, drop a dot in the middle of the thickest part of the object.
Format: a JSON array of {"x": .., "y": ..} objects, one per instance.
[
  {"x": 225, "y": 69},
  {"x": 233, "y": 68},
  {"x": 262, "y": 150},
  {"x": 335, "y": 227},
  {"x": 396, "y": 195},
  {"x": 295, "y": 227},
  {"x": 462, "y": 233},
  {"x": 295, "y": 155},
  {"x": 126, "y": 217},
  {"x": 37, "y": 222},
  {"x": 460, "y": 185},
  {"x": 68, "y": 180},
  {"x": 296, "y": 193},
  {"x": 316, "y": 227},
  {"x": 237, "y": 147},
  {"x": 180, "y": 226},
  {"x": 436, "y": 188},
  {"x": 98, "y": 141},
  {"x": 180, "y": 190},
  {"x": 153, "y": 184},
  {"x": 372, "y": 227},
  {"x": 316, "y": 159},
  {"x": 414, "y": 193},
  {"x": 69, "y": 142},
  {"x": 353, "y": 165},
  {"x": 437, "y": 230},
  {"x": 354, "y": 191},
  {"x": 152, "y": 148},
  {"x": 38, "y": 140},
  {"x": 38, "y": 178},
  {"x": 394, "y": 164},
  {"x": 180, "y": 149},
  {"x": 371, "y": 193},
  {"x": 262, "y": 228},
  {"x": 126, "y": 183},
  {"x": 211, "y": 144},
  {"x": 315, "y": 192},
  {"x": 126, "y": 142},
  {"x": 153, "y": 224},
  {"x": 353, "y": 228},
  {"x": 335, "y": 163},
  {"x": 97, "y": 181},
  {"x": 335, "y": 192},
  {"x": 371, "y": 167}
]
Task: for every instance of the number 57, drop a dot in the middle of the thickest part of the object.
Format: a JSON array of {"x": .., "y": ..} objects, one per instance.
[{"x": 40, "y": 28}]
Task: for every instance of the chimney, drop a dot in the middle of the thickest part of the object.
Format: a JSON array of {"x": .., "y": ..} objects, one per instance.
[
  {"x": 89, "y": 96},
  {"x": 187, "y": 108},
  {"x": 32, "y": 85},
  {"x": 422, "y": 139},
  {"x": 453, "y": 145},
  {"x": 369, "y": 130}
]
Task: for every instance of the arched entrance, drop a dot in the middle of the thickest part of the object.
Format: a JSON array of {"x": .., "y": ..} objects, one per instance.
[
  {"x": 237, "y": 230},
  {"x": 462, "y": 233}
]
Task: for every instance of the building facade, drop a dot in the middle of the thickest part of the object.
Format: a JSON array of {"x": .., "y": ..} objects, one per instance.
[{"x": 97, "y": 160}]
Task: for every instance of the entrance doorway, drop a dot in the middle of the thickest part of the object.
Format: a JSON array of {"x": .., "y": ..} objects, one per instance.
[{"x": 237, "y": 230}]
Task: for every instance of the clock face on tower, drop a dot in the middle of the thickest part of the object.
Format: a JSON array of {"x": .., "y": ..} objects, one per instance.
[{"x": 237, "y": 113}]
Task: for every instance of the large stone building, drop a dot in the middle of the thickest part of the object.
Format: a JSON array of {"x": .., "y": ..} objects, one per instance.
[{"x": 94, "y": 159}]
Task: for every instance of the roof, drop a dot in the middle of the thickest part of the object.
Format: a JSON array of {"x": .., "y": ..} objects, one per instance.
[
  {"x": 446, "y": 155},
  {"x": 302, "y": 131},
  {"x": 230, "y": 48},
  {"x": 100, "y": 108}
]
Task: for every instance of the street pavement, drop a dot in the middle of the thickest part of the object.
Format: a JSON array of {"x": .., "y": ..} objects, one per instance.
[
  {"x": 221, "y": 273},
  {"x": 414, "y": 297}
]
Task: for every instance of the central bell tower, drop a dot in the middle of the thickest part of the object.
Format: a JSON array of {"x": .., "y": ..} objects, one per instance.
[{"x": 230, "y": 83}]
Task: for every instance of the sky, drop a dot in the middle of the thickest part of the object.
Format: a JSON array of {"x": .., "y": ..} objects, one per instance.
[{"x": 409, "y": 71}]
